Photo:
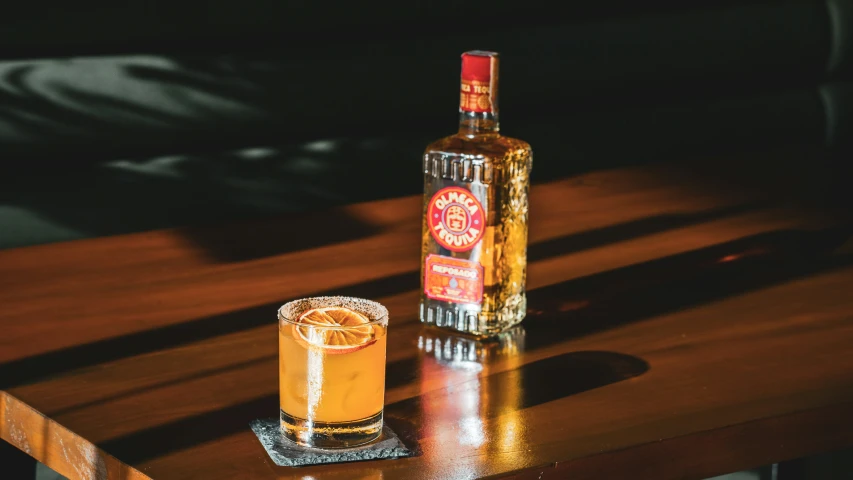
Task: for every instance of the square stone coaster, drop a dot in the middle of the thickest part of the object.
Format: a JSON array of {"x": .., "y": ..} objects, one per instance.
[{"x": 285, "y": 453}]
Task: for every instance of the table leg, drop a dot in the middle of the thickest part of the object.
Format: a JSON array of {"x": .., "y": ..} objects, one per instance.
[{"x": 15, "y": 464}]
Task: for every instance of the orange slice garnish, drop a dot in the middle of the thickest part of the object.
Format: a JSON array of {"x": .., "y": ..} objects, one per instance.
[{"x": 338, "y": 330}]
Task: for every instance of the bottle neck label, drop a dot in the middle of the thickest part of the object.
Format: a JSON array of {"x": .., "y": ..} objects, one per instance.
[{"x": 476, "y": 96}]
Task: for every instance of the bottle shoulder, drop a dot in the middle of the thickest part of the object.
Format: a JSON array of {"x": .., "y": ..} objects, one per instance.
[{"x": 486, "y": 146}]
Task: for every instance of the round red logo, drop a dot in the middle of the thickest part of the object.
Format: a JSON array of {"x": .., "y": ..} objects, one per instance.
[{"x": 455, "y": 218}]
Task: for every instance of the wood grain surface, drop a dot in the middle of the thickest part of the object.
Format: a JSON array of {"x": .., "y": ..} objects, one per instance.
[{"x": 684, "y": 322}]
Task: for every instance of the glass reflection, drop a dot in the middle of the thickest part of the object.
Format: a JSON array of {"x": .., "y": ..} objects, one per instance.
[{"x": 476, "y": 409}]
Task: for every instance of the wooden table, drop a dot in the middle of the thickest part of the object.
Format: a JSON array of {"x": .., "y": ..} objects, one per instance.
[{"x": 684, "y": 322}]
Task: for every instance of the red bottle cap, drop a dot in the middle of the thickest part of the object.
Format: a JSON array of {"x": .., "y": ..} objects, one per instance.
[{"x": 479, "y": 82}]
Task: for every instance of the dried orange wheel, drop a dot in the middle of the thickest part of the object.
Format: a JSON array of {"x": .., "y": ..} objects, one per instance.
[{"x": 335, "y": 329}]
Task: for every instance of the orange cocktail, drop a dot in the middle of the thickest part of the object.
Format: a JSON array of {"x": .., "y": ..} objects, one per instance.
[{"x": 332, "y": 370}]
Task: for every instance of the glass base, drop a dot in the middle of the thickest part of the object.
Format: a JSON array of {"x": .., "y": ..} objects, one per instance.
[{"x": 331, "y": 434}]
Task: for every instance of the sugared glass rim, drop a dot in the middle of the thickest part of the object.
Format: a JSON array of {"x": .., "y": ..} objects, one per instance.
[{"x": 291, "y": 311}]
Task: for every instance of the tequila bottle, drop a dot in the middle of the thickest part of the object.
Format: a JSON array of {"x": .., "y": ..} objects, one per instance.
[{"x": 474, "y": 245}]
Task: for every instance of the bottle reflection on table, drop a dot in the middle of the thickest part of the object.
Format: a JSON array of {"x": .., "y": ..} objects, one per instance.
[{"x": 465, "y": 404}]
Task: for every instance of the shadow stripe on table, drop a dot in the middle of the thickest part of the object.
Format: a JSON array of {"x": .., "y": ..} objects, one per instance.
[
  {"x": 629, "y": 294},
  {"x": 184, "y": 433},
  {"x": 804, "y": 252},
  {"x": 590, "y": 369},
  {"x": 29, "y": 369},
  {"x": 610, "y": 234},
  {"x": 51, "y": 363},
  {"x": 176, "y": 381}
]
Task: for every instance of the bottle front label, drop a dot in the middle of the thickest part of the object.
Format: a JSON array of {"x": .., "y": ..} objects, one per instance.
[
  {"x": 453, "y": 279},
  {"x": 456, "y": 219}
]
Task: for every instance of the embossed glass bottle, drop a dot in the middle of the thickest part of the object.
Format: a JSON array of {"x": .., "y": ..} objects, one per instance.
[{"x": 474, "y": 245}]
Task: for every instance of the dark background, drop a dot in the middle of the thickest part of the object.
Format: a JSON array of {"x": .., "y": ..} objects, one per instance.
[
  {"x": 126, "y": 116},
  {"x": 120, "y": 116}
]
